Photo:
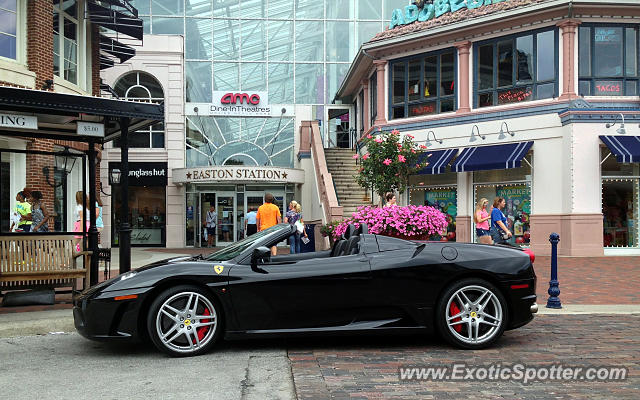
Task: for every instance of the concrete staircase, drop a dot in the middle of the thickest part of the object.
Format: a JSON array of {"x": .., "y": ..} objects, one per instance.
[{"x": 343, "y": 169}]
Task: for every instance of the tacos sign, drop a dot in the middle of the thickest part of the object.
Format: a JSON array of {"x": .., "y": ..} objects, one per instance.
[{"x": 422, "y": 11}]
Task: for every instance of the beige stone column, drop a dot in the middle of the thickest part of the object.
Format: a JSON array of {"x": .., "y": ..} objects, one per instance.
[
  {"x": 568, "y": 28},
  {"x": 366, "y": 123},
  {"x": 381, "y": 117},
  {"x": 463, "y": 76}
]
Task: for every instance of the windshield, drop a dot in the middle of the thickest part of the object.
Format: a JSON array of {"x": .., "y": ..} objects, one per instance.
[{"x": 235, "y": 249}]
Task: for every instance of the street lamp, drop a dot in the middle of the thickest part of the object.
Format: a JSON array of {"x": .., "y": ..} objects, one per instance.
[
  {"x": 114, "y": 177},
  {"x": 64, "y": 161}
]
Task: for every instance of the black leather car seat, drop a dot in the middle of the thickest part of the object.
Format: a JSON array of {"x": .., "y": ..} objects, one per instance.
[
  {"x": 353, "y": 244},
  {"x": 341, "y": 246}
]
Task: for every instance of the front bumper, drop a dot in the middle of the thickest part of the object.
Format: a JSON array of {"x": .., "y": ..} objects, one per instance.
[{"x": 98, "y": 316}]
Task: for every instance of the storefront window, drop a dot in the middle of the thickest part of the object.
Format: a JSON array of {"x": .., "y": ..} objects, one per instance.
[
  {"x": 439, "y": 191},
  {"x": 516, "y": 68},
  {"x": 139, "y": 86},
  {"x": 517, "y": 210},
  {"x": 620, "y": 212},
  {"x": 147, "y": 215},
  {"x": 8, "y": 29},
  {"x": 620, "y": 201},
  {"x": 514, "y": 185},
  {"x": 423, "y": 85},
  {"x": 608, "y": 56}
]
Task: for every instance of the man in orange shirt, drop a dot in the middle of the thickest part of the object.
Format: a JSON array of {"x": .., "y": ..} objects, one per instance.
[{"x": 268, "y": 216}]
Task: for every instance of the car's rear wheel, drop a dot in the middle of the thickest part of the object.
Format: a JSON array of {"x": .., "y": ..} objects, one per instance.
[
  {"x": 471, "y": 314},
  {"x": 184, "y": 321}
]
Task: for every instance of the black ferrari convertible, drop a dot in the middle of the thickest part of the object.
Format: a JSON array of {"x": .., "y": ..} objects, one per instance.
[{"x": 467, "y": 293}]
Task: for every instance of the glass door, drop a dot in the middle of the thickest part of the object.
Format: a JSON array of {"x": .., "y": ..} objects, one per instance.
[
  {"x": 338, "y": 127},
  {"x": 226, "y": 208},
  {"x": 202, "y": 235}
]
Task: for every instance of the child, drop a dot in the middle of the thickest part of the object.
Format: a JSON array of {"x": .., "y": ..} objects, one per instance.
[{"x": 15, "y": 221}]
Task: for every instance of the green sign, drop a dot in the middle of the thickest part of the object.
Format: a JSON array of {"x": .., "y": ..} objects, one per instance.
[
  {"x": 443, "y": 199},
  {"x": 419, "y": 11}
]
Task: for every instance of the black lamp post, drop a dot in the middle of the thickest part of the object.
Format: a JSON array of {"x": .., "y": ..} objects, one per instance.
[{"x": 124, "y": 241}]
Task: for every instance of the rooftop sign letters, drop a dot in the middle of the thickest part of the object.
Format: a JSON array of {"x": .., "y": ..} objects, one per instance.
[{"x": 422, "y": 10}]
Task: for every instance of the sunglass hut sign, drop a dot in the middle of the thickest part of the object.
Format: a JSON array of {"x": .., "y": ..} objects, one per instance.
[{"x": 424, "y": 10}]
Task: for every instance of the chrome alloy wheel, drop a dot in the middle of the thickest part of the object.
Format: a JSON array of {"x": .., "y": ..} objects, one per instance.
[
  {"x": 474, "y": 314},
  {"x": 186, "y": 322}
]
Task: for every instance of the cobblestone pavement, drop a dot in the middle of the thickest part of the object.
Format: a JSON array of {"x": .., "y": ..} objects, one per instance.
[{"x": 367, "y": 368}]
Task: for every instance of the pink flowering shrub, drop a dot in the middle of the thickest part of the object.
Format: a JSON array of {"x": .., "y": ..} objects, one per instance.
[
  {"x": 417, "y": 222},
  {"x": 388, "y": 162}
]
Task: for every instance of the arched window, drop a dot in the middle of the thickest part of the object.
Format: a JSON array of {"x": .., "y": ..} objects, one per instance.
[{"x": 140, "y": 86}]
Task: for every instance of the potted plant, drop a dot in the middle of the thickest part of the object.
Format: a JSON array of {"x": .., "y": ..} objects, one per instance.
[{"x": 327, "y": 229}]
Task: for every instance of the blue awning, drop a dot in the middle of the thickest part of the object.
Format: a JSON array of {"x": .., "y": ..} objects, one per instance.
[
  {"x": 491, "y": 157},
  {"x": 625, "y": 148},
  {"x": 437, "y": 160}
]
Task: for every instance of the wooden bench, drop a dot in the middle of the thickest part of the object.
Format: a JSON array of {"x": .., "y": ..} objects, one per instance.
[{"x": 36, "y": 261}]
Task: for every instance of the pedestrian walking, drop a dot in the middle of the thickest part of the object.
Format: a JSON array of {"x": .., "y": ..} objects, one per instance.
[
  {"x": 294, "y": 218},
  {"x": 23, "y": 209},
  {"x": 481, "y": 218},
  {"x": 39, "y": 213},
  {"x": 250, "y": 226},
  {"x": 499, "y": 231},
  {"x": 268, "y": 215},
  {"x": 81, "y": 217},
  {"x": 210, "y": 223},
  {"x": 99, "y": 220}
]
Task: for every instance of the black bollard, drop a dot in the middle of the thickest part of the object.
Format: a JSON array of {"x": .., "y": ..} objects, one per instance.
[{"x": 554, "y": 287}]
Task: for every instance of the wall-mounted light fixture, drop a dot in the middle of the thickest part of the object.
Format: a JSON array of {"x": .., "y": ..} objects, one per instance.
[
  {"x": 621, "y": 130},
  {"x": 64, "y": 160},
  {"x": 475, "y": 129},
  {"x": 502, "y": 130},
  {"x": 428, "y": 142}
]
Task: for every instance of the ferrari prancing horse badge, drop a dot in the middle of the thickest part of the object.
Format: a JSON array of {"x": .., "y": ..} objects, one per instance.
[{"x": 218, "y": 269}]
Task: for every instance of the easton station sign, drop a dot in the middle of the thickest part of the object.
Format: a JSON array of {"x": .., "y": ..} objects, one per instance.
[
  {"x": 238, "y": 174},
  {"x": 424, "y": 10}
]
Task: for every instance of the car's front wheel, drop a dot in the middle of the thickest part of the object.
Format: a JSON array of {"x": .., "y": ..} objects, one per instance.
[
  {"x": 471, "y": 314},
  {"x": 184, "y": 321}
]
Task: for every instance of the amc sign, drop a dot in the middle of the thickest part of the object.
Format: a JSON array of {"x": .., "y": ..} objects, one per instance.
[{"x": 240, "y": 98}]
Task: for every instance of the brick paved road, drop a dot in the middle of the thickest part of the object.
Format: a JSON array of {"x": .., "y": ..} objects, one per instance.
[
  {"x": 367, "y": 368},
  {"x": 592, "y": 280}
]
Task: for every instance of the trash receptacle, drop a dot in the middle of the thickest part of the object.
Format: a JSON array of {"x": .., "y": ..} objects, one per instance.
[{"x": 311, "y": 245}]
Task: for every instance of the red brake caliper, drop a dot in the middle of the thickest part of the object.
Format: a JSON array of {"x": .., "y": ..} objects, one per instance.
[
  {"x": 203, "y": 329},
  {"x": 453, "y": 310}
]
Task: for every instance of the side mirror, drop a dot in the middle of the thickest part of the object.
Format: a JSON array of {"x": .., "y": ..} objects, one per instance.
[{"x": 260, "y": 255}]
